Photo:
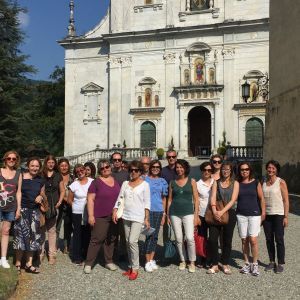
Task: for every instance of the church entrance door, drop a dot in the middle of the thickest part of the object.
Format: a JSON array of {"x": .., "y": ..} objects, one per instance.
[
  {"x": 148, "y": 135},
  {"x": 199, "y": 135}
]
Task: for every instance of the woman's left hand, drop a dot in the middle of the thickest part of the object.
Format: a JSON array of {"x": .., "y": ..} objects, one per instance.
[
  {"x": 196, "y": 221},
  {"x": 18, "y": 214},
  {"x": 147, "y": 223},
  {"x": 38, "y": 199},
  {"x": 163, "y": 220},
  {"x": 285, "y": 222}
]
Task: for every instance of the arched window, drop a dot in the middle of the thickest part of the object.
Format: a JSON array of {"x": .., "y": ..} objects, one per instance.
[
  {"x": 148, "y": 93},
  {"x": 254, "y": 132},
  {"x": 148, "y": 135}
]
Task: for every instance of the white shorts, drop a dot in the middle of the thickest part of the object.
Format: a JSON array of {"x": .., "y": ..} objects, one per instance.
[{"x": 248, "y": 225}]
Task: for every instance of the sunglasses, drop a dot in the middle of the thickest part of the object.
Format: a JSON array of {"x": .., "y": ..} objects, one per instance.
[
  {"x": 134, "y": 170},
  {"x": 245, "y": 170},
  {"x": 217, "y": 161},
  {"x": 225, "y": 170},
  {"x": 104, "y": 168},
  {"x": 146, "y": 164},
  {"x": 155, "y": 167},
  {"x": 117, "y": 159},
  {"x": 207, "y": 170},
  {"x": 168, "y": 157},
  {"x": 11, "y": 158}
]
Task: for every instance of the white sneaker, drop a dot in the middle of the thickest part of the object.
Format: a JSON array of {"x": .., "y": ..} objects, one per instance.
[
  {"x": 87, "y": 269},
  {"x": 154, "y": 265},
  {"x": 182, "y": 266},
  {"x": 148, "y": 267},
  {"x": 5, "y": 264},
  {"x": 111, "y": 267}
]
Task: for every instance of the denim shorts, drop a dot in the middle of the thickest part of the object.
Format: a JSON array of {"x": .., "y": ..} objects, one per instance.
[{"x": 8, "y": 216}]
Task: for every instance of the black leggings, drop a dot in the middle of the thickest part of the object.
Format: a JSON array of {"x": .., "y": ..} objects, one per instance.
[
  {"x": 274, "y": 232},
  {"x": 226, "y": 233}
]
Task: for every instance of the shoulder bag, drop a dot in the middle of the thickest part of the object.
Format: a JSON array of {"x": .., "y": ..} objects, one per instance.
[{"x": 170, "y": 245}]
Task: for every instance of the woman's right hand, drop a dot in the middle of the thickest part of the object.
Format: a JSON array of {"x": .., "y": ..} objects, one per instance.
[
  {"x": 114, "y": 216},
  {"x": 169, "y": 220},
  {"x": 92, "y": 220}
]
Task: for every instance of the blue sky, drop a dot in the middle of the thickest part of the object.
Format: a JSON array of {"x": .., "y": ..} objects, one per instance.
[{"x": 46, "y": 22}]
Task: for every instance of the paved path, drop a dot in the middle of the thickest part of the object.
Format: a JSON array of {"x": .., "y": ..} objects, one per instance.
[{"x": 66, "y": 281}]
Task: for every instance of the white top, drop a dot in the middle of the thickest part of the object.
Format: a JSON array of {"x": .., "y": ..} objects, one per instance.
[
  {"x": 136, "y": 200},
  {"x": 80, "y": 194},
  {"x": 204, "y": 191},
  {"x": 273, "y": 198}
]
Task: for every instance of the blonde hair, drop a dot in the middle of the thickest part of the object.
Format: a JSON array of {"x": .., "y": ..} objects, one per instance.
[{"x": 18, "y": 161}]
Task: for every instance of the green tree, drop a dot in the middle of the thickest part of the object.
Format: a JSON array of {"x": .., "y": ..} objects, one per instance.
[{"x": 13, "y": 70}]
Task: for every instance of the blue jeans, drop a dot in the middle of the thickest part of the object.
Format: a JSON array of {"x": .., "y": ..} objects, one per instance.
[
  {"x": 151, "y": 241},
  {"x": 8, "y": 216}
]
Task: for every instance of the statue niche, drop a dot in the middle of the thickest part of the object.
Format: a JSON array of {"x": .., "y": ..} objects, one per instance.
[
  {"x": 148, "y": 94},
  {"x": 199, "y": 71}
]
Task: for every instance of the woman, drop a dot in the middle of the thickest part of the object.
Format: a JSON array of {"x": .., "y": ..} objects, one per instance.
[
  {"x": 136, "y": 195},
  {"x": 10, "y": 199},
  {"x": 28, "y": 236},
  {"x": 77, "y": 198},
  {"x": 52, "y": 180},
  {"x": 90, "y": 169},
  {"x": 225, "y": 189},
  {"x": 277, "y": 210},
  {"x": 64, "y": 209},
  {"x": 216, "y": 162},
  {"x": 158, "y": 193},
  {"x": 183, "y": 207},
  {"x": 204, "y": 186},
  {"x": 250, "y": 213},
  {"x": 102, "y": 195}
]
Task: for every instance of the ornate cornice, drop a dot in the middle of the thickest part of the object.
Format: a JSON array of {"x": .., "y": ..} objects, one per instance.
[
  {"x": 146, "y": 110},
  {"x": 199, "y": 88}
]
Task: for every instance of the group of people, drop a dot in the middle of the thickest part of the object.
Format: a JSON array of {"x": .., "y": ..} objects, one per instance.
[{"x": 112, "y": 208}]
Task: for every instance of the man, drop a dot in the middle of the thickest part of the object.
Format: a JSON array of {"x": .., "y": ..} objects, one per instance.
[
  {"x": 120, "y": 176},
  {"x": 145, "y": 160},
  {"x": 117, "y": 172},
  {"x": 168, "y": 172}
]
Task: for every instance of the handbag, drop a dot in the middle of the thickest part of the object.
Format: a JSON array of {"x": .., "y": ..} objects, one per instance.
[
  {"x": 121, "y": 201},
  {"x": 209, "y": 216},
  {"x": 170, "y": 245},
  {"x": 201, "y": 244},
  {"x": 44, "y": 207}
]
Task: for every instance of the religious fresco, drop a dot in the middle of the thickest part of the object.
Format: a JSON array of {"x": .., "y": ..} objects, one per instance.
[{"x": 199, "y": 70}]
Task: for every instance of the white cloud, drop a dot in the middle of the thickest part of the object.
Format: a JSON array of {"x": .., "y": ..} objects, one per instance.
[{"x": 23, "y": 19}]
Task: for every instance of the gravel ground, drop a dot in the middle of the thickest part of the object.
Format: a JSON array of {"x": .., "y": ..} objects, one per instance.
[{"x": 67, "y": 281}]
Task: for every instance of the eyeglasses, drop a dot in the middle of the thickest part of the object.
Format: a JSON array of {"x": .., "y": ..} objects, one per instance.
[
  {"x": 217, "y": 161},
  {"x": 207, "y": 170},
  {"x": 245, "y": 170},
  {"x": 104, "y": 168},
  {"x": 155, "y": 167},
  {"x": 11, "y": 158},
  {"x": 171, "y": 156},
  {"x": 134, "y": 170},
  {"x": 117, "y": 159}
]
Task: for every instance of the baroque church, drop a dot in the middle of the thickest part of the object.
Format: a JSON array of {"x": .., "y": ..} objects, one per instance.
[{"x": 159, "y": 72}]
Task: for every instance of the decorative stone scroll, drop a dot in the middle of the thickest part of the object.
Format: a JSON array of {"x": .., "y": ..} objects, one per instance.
[
  {"x": 169, "y": 57},
  {"x": 228, "y": 53}
]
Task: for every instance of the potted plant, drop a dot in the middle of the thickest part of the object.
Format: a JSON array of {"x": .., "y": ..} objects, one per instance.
[{"x": 160, "y": 153}]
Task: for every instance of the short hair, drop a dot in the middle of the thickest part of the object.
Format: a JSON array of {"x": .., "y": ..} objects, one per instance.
[
  {"x": 145, "y": 157},
  {"x": 77, "y": 166},
  {"x": 30, "y": 159},
  {"x": 169, "y": 151},
  {"x": 230, "y": 165},
  {"x": 155, "y": 161},
  {"x": 251, "y": 175},
  {"x": 204, "y": 165},
  {"x": 18, "y": 161},
  {"x": 92, "y": 167},
  {"x": 116, "y": 152},
  {"x": 137, "y": 164},
  {"x": 101, "y": 162},
  {"x": 275, "y": 163},
  {"x": 185, "y": 165},
  {"x": 216, "y": 156},
  {"x": 47, "y": 158}
]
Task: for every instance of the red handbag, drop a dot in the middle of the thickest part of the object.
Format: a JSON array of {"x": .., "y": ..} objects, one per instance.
[{"x": 201, "y": 244}]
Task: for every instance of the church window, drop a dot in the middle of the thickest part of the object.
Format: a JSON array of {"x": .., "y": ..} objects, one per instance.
[
  {"x": 254, "y": 132},
  {"x": 140, "y": 101},
  {"x": 199, "y": 71},
  {"x": 156, "y": 100},
  {"x": 148, "y": 135},
  {"x": 199, "y": 4},
  {"x": 148, "y": 94}
]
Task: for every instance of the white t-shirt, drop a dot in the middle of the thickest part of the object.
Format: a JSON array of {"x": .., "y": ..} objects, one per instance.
[
  {"x": 136, "y": 200},
  {"x": 80, "y": 194},
  {"x": 204, "y": 191}
]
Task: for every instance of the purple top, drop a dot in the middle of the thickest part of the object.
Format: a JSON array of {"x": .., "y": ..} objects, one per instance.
[{"x": 106, "y": 197}]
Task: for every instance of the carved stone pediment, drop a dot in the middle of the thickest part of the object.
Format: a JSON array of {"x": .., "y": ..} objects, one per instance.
[
  {"x": 147, "y": 80},
  {"x": 198, "y": 47},
  {"x": 91, "y": 88}
]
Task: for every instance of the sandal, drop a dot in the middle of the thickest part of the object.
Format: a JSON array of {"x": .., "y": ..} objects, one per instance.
[
  {"x": 212, "y": 271},
  {"x": 31, "y": 269},
  {"x": 18, "y": 267},
  {"x": 227, "y": 271}
]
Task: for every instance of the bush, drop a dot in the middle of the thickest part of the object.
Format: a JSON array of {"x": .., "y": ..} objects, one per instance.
[{"x": 160, "y": 153}]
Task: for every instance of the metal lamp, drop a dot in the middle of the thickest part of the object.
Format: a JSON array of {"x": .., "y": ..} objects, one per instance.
[{"x": 245, "y": 91}]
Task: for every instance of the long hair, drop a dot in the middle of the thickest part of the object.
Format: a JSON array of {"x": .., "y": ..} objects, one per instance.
[
  {"x": 251, "y": 175},
  {"x": 64, "y": 160},
  {"x": 18, "y": 161},
  {"x": 92, "y": 167},
  {"x": 45, "y": 169},
  {"x": 230, "y": 165}
]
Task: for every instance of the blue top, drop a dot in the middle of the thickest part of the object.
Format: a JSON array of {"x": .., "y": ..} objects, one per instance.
[
  {"x": 158, "y": 190},
  {"x": 31, "y": 188},
  {"x": 248, "y": 202},
  {"x": 168, "y": 174}
]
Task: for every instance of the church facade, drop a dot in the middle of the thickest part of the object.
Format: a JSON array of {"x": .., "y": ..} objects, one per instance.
[{"x": 159, "y": 72}]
